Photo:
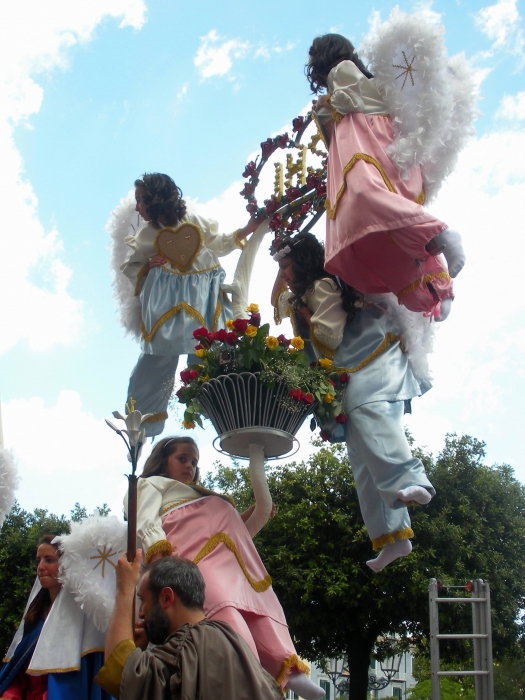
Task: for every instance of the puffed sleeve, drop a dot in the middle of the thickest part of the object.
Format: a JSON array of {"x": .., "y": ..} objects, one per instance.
[
  {"x": 328, "y": 317},
  {"x": 150, "y": 534},
  {"x": 345, "y": 81},
  {"x": 221, "y": 244},
  {"x": 281, "y": 304},
  {"x": 135, "y": 266}
]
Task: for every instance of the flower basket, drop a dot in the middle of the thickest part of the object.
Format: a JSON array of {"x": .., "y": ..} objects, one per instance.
[{"x": 244, "y": 410}]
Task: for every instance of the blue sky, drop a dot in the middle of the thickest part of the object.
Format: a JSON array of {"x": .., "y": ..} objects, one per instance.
[{"x": 96, "y": 93}]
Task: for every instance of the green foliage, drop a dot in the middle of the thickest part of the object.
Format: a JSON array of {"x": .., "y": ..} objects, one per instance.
[
  {"x": 509, "y": 679},
  {"x": 78, "y": 513},
  {"x": 316, "y": 547},
  {"x": 19, "y": 538}
]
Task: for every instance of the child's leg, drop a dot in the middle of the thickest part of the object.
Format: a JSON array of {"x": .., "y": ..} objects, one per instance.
[
  {"x": 150, "y": 386},
  {"x": 450, "y": 244}
]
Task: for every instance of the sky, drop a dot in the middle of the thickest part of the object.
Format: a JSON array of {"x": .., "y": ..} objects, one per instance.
[{"x": 96, "y": 92}]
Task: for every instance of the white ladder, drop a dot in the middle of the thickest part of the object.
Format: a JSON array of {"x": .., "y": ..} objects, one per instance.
[{"x": 481, "y": 637}]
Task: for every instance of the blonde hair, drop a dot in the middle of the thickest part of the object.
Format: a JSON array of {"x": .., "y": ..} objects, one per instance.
[{"x": 156, "y": 462}]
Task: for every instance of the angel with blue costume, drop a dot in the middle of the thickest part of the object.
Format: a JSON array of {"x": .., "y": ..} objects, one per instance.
[{"x": 172, "y": 264}]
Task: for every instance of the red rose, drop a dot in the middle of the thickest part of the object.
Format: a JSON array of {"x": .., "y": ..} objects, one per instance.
[
  {"x": 247, "y": 190},
  {"x": 304, "y": 208},
  {"x": 321, "y": 190},
  {"x": 201, "y": 333},
  {"x": 185, "y": 375},
  {"x": 179, "y": 393},
  {"x": 312, "y": 180},
  {"x": 276, "y": 222},
  {"x": 293, "y": 225},
  {"x": 251, "y": 208},
  {"x": 298, "y": 123},
  {"x": 283, "y": 340},
  {"x": 231, "y": 338},
  {"x": 272, "y": 204},
  {"x": 193, "y": 374},
  {"x": 343, "y": 377},
  {"x": 341, "y": 418},
  {"x": 240, "y": 325},
  {"x": 292, "y": 193},
  {"x": 220, "y": 335},
  {"x": 282, "y": 140},
  {"x": 325, "y": 435},
  {"x": 250, "y": 169},
  {"x": 296, "y": 394},
  {"x": 308, "y": 398},
  {"x": 268, "y": 147},
  {"x": 255, "y": 320},
  {"x": 313, "y": 364},
  {"x": 331, "y": 382}
]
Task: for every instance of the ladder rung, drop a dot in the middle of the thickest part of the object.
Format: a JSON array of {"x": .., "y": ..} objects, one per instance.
[
  {"x": 463, "y": 673},
  {"x": 460, "y": 600},
  {"x": 462, "y": 636}
]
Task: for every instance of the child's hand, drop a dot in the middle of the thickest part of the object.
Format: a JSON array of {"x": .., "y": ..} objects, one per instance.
[
  {"x": 321, "y": 101},
  {"x": 156, "y": 261}
]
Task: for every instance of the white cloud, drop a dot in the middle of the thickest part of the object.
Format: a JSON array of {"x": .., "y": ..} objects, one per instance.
[
  {"x": 38, "y": 38},
  {"x": 216, "y": 54},
  {"x": 512, "y": 107},
  {"x": 501, "y": 23},
  {"x": 265, "y": 51}
]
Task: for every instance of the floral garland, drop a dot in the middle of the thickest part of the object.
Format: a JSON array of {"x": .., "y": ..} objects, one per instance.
[
  {"x": 245, "y": 345},
  {"x": 300, "y": 205}
]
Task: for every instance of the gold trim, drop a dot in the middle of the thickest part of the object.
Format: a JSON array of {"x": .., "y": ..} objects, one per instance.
[
  {"x": 405, "y": 534},
  {"x": 320, "y": 134},
  {"x": 387, "y": 340},
  {"x": 166, "y": 316},
  {"x": 238, "y": 242},
  {"x": 163, "y": 415},
  {"x": 43, "y": 671},
  {"x": 216, "y": 316},
  {"x": 289, "y": 663},
  {"x": 143, "y": 271},
  {"x": 191, "y": 272},
  {"x": 355, "y": 158},
  {"x": 162, "y": 546},
  {"x": 169, "y": 506},
  {"x": 323, "y": 349},
  {"x": 336, "y": 116},
  {"x": 213, "y": 542},
  {"x": 443, "y": 275},
  {"x": 420, "y": 199},
  {"x": 177, "y": 229}
]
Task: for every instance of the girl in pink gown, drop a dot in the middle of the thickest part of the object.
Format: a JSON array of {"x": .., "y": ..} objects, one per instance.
[{"x": 379, "y": 238}]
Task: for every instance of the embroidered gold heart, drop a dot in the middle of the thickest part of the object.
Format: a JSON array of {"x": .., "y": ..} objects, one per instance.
[{"x": 180, "y": 246}]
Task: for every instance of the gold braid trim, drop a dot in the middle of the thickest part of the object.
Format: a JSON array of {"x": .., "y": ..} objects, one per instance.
[
  {"x": 163, "y": 415},
  {"x": 190, "y": 272},
  {"x": 213, "y": 542},
  {"x": 335, "y": 114},
  {"x": 443, "y": 275},
  {"x": 42, "y": 671},
  {"x": 387, "y": 340},
  {"x": 143, "y": 271},
  {"x": 320, "y": 131},
  {"x": 162, "y": 546},
  {"x": 166, "y": 316},
  {"x": 292, "y": 661},
  {"x": 169, "y": 506},
  {"x": 216, "y": 316},
  {"x": 355, "y": 158},
  {"x": 405, "y": 534},
  {"x": 420, "y": 199},
  {"x": 238, "y": 242},
  {"x": 323, "y": 349}
]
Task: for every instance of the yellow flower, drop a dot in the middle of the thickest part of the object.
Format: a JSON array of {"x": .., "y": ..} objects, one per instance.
[
  {"x": 250, "y": 331},
  {"x": 205, "y": 378},
  {"x": 297, "y": 343},
  {"x": 271, "y": 342},
  {"x": 253, "y": 308},
  {"x": 325, "y": 363},
  {"x": 188, "y": 424},
  {"x": 200, "y": 353},
  {"x": 291, "y": 351},
  {"x": 229, "y": 325},
  {"x": 328, "y": 398}
]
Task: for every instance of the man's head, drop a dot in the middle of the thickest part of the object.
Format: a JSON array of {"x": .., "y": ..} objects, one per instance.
[{"x": 171, "y": 593}]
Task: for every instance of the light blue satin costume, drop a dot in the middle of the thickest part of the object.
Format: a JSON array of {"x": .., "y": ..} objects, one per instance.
[
  {"x": 381, "y": 385},
  {"x": 174, "y": 304}
]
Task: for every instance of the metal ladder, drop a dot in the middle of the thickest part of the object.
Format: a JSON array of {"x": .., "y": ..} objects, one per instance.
[{"x": 481, "y": 637}]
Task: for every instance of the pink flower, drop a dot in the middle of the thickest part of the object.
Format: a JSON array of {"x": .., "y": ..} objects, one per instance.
[
  {"x": 292, "y": 193},
  {"x": 250, "y": 169},
  {"x": 282, "y": 140},
  {"x": 247, "y": 190},
  {"x": 272, "y": 204},
  {"x": 268, "y": 147},
  {"x": 312, "y": 180},
  {"x": 251, "y": 207},
  {"x": 298, "y": 123},
  {"x": 276, "y": 222},
  {"x": 321, "y": 190}
]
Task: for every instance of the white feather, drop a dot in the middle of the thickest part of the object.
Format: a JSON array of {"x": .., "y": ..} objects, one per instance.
[
  {"x": 8, "y": 482},
  {"x": 124, "y": 221},
  {"x": 81, "y": 565}
]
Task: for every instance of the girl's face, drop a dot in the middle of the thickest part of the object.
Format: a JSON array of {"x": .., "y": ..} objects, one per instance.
[
  {"x": 182, "y": 464},
  {"x": 47, "y": 560},
  {"x": 141, "y": 207},
  {"x": 286, "y": 272}
]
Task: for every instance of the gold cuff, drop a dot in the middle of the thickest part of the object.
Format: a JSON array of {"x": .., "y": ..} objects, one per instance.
[
  {"x": 406, "y": 534},
  {"x": 239, "y": 243},
  {"x": 162, "y": 546}
]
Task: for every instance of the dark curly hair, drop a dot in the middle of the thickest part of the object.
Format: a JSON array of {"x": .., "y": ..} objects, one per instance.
[
  {"x": 162, "y": 197},
  {"x": 325, "y": 53},
  {"x": 307, "y": 255},
  {"x": 156, "y": 462}
]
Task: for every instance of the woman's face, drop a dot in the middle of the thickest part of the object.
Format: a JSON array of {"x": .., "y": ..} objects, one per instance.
[
  {"x": 141, "y": 207},
  {"x": 286, "y": 272},
  {"x": 47, "y": 560},
  {"x": 182, "y": 464}
]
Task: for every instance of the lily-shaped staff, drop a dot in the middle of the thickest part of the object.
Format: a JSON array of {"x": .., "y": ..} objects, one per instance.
[{"x": 136, "y": 436}]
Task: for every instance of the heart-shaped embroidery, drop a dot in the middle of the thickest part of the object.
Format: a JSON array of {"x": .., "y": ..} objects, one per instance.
[{"x": 182, "y": 243}]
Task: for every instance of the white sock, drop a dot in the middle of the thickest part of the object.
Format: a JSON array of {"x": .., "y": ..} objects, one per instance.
[
  {"x": 304, "y": 687},
  {"x": 449, "y": 242},
  {"x": 419, "y": 494},
  {"x": 390, "y": 553},
  {"x": 444, "y": 310}
]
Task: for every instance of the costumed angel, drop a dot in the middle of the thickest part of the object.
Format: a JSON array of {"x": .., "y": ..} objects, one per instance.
[
  {"x": 169, "y": 282},
  {"x": 394, "y": 133}
]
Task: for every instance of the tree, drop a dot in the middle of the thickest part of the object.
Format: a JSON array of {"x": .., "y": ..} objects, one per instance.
[{"x": 316, "y": 548}]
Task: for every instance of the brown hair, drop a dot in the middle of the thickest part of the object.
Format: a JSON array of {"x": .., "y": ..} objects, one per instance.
[
  {"x": 162, "y": 197},
  {"x": 42, "y": 600},
  {"x": 325, "y": 53},
  {"x": 156, "y": 462}
]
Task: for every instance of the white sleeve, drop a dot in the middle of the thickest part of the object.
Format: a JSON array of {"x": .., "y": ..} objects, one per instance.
[
  {"x": 150, "y": 534},
  {"x": 221, "y": 244},
  {"x": 263, "y": 499},
  {"x": 135, "y": 264},
  {"x": 282, "y": 306},
  {"x": 328, "y": 319},
  {"x": 346, "y": 89}
]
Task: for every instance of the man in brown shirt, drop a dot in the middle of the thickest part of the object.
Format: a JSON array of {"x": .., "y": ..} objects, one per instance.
[{"x": 194, "y": 657}]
